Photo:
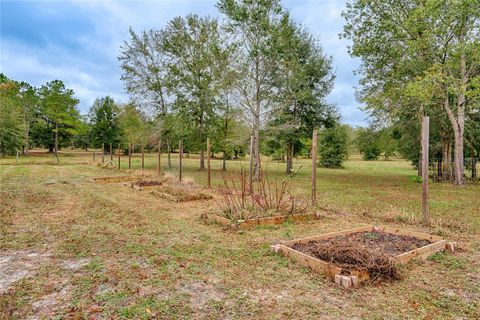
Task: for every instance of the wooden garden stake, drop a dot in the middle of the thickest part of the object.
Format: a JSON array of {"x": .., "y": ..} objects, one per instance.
[
  {"x": 425, "y": 140},
  {"x": 111, "y": 152},
  {"x": 251, "y": 164},
  {"x": 159, "y": 163},
  {"x": 180, "y": 154},
  {"x": 208, "y": 162},
  {"x": 119, "y": 151},
  {"x": 129, "y": 156},
  {"x": 103, "y": 153},
  {"x": 143, "y": 159},
  {"x": 314, "y": 166}
]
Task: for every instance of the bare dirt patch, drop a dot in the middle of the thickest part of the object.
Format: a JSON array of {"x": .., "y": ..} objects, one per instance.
[
  {"x": 52, "y": 303},
  {"x": 16, "y": 265},
  {"x": 203, "y": 294}
]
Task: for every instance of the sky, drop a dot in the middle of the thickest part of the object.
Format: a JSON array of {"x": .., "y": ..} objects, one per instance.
[{"x": 78, "y": 42}]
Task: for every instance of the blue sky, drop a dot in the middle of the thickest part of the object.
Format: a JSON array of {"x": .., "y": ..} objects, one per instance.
[{"x": 78, "y": 42}]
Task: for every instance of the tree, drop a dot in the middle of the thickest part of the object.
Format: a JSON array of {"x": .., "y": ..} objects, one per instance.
[
  {"x": 58, "y": 110},
  {"x": 231, "y": 133},
  {"x": 333, "y": 146},
  {"x": 29, "y": 101},
  {"x": 302, "y": 79},
  {"x": 145, "y": 76},
  {"x": 103, "y": 116},
  {"x": 253, "y": 24},
  {"x": 132, "y": 124},
  {"x": 418, "y": 56},
  {"x": 11, "y": 120},
  {"x": 197, "y": 56},
  {"x": 83, "y": 138},
  {"x": 368, "y": 143}
]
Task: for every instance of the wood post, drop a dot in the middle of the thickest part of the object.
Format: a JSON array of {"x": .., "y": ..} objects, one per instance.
[
  {"x": 16, "y": 158},
  {"x": 111, "y": 152},
  {"x": 314, "y": 166},
  {"x": 180, "y": 154},
  {"x": 119, "y": 151},
  {"x": 143, "y": 159},
  {"x": 208, "y": 162},
  {"x": 103, "y": 152},
  {"x": 130, "y": 156},
  {"x": 159, "y": 162},
  {"x": 93, "y": 156},
  {"x": 425, "y": 141}
]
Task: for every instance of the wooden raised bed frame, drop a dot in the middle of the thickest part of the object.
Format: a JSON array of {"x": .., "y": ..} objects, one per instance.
[
  {"x": 174, "y": 198},
  {"x": 114, "y": 179},
  {"x": 142, "y": 188},
  {"x": 249, "y": 223},
  {"x": 353, "y": 278}
]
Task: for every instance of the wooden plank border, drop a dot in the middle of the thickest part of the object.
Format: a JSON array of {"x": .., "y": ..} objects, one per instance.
[
  {"x": 351, "y": 278},
  {"x": 250, "y": 223}
]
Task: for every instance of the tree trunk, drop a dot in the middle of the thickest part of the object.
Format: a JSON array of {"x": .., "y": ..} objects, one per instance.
[
  {"x": 419, "y": 166},
  {"x": 256, "y": 122},
  {"x": 168, "y": 154},
  {"x": 27, "y": 141},
  {"x": 289, "y": 152},
  {"x": 443, "y": 169},
  {"x": 224, "y": 161},
  {"x": 56, "y": 137},
  {"x": 458, "y": 123},
  {"x": 474, "y": 166},
  {"x": 202, "y": 158},
  {"x": 225, "y": 135},
  {"x": 459, "y": 164},
  {"x": 256, "y": 152},
  {"x": 56, "y": 142}
]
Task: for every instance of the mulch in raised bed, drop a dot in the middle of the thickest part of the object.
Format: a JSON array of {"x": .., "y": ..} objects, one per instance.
[{"x": 367, "y": 251}]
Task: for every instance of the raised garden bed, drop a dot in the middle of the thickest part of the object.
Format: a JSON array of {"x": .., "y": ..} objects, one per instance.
[
  {"x": 180, "y": 194},
  {"x": 113, "y": 179},
  {"x": 249, "y": 223},
  {"x": 145, "y": 185},
  {"x": 353, "y": 256}
]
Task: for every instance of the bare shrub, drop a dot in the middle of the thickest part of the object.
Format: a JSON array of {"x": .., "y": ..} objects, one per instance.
[{"x": 264, "y": 198}]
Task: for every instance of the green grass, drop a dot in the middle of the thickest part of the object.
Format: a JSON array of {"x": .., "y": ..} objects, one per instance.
[{"x": 150, "y": 258}]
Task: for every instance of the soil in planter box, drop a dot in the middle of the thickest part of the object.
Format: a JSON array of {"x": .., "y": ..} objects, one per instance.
[
  {"x": 184, "y": 193},
  {"x": 366, "y": 251},
  {"x": 147, "y": 183}
]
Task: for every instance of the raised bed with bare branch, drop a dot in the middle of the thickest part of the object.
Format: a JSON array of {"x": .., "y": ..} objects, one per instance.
[
  {"x": 266, "y": 203},
  {"x": 350, "y": 257}
]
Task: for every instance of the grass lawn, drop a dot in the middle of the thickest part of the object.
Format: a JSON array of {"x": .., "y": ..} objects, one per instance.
[{"x": 70, "y": 248}]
